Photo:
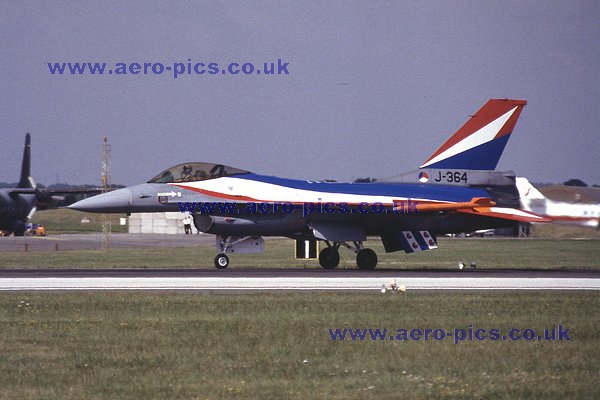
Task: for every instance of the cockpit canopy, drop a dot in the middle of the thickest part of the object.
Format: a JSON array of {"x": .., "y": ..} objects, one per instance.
[{"x": 189, "y": 172}]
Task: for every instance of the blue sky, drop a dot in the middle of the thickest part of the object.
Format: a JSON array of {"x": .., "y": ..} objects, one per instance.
[{"x": 373, "y": 87}]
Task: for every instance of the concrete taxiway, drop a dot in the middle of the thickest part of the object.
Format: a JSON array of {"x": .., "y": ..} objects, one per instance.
[{"x": 178, "y": 279}]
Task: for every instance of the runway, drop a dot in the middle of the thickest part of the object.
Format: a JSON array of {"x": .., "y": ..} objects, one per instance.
[{"x": 240, "y": 280}]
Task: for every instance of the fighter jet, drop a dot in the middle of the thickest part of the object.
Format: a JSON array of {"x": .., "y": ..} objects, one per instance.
[
  {"x": 455, "y": 190},
  {"x": 18, "y": 204}
]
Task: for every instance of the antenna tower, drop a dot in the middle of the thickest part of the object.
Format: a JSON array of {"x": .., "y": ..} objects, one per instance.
[{"x": 106, "y": 180}]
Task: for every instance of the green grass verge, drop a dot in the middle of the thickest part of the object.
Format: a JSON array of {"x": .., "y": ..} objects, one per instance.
[
  {"x": 274, "y": 346},
  {"x": 488, "y": 253},
  {"x": 69, "y": 221}
]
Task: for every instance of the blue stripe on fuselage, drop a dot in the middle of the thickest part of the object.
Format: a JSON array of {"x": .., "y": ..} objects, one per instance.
[
  {"x": 391, "y": 189},
  {"x": 482, "y": 157}
]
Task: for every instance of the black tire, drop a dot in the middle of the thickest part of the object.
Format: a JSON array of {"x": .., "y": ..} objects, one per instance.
[
  {"x": 221, "y": 261},
  {"x": 329, "y": 258},
  {"x": 366, "y": 259},
  {"x": 20, "y": 231}
]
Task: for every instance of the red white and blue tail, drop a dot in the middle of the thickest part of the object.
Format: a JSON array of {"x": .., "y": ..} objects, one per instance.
[{"x": 479, "y": 143}]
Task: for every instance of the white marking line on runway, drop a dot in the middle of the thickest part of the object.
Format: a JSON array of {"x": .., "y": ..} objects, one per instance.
[{"x": 295, "y": 283}]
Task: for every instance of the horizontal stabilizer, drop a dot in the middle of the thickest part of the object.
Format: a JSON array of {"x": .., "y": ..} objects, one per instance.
[{"x": 506, "y": 213}]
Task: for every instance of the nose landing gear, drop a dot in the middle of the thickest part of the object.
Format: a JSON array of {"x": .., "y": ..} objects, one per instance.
[{"x": 221, "y": 261}]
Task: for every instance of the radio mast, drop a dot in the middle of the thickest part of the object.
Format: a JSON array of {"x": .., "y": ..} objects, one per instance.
[{"x": 106, "y": 180}]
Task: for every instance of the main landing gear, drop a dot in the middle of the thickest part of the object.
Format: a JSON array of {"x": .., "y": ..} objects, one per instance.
[{"x": 329, "y": 257}]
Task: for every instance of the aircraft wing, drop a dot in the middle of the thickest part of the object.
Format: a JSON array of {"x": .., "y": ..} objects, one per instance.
[
  {"x": 51, "y": 192},
  {"x": 17, "y": 191},
  {"x": 337, "y": 231},
  {"x": 485, "y": 207}
]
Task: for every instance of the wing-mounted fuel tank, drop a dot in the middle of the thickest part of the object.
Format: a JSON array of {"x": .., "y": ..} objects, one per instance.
[{"x": 265, "y": 225}]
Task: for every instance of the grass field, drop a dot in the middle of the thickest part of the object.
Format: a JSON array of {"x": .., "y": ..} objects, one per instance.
[
  {"x": 276, "y": 346},
  {"x": 60, "y": 221}
]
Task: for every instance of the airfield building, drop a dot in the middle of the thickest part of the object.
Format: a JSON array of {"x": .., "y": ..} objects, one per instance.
[
  {"x": 163, "y": 222},
  {"x": 572, "y": 194}
]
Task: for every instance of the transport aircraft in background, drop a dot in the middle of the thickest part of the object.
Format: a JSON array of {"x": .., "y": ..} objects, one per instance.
[
  {"x": 18, "y": 204},
  {"x": 455, "y": 190},
  {"x": 582, "y": 214}
]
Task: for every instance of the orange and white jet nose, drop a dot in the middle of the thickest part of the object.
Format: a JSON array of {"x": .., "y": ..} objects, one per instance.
[{"x": 117, "y": 201}]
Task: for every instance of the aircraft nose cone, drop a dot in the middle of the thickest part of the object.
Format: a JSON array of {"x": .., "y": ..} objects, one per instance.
[{"x": 117, "y": 201}]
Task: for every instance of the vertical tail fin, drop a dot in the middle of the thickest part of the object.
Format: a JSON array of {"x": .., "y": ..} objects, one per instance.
[
  {"x": 527, "y": 190},
  {"x": 479, "y": 143},
  {"x": 24, "y": 181},
  {"x": 531, "y": 199}
]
